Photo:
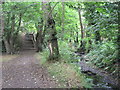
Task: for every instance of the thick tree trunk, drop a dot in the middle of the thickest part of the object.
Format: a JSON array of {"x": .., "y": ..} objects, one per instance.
[{"x": 52, "y": 41}]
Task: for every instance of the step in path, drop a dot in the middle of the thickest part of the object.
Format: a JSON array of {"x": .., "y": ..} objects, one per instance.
[{"x": 27, "y": 43}]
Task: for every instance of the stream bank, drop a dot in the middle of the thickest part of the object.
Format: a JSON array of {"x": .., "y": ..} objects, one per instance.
[{"x": 99, "y": 77}]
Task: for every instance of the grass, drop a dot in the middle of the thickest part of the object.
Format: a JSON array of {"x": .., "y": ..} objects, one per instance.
[
  {"x": 67, "y": 74},
  {"x": 4, "y": 58}
]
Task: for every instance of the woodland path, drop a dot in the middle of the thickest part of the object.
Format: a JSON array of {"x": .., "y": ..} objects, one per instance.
[{"x": 25, "y": 72}]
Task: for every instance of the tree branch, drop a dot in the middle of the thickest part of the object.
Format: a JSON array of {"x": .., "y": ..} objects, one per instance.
[{"x": 52, "y": 8}]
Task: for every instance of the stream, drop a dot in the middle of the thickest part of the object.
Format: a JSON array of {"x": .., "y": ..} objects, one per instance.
[{"x": 99, "y": 78}]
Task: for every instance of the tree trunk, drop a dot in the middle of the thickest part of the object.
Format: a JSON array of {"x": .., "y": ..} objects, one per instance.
[
  {"x": 20, "y": 19},
  {"x": 39, "y": 39},
  {"x": 5, "y": 38},
  {"x": 12, "y": 34},
  {"x": 82, "y": 46},
  {"x": 7, "y": 46},
  {"x": 52, "y": 41},
  {"x": 63, "y": 15},
  {"x": 41, "y": 28},
  {"x": 77, "y": 41}
]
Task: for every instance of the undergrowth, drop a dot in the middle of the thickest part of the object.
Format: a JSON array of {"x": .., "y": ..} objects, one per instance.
[
  {"x": 104, "y": 56},
  {"x": 66, "y": 73}
]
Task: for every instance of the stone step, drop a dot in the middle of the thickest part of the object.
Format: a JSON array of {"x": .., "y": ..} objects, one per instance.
[
  {"x": 28, "y": 41},
  {"x": 25, "y": 44},
  {"x": 28, "y": 48}
]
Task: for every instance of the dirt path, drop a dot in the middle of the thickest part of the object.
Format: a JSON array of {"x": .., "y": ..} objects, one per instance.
[{"x": 25, "y": 72}]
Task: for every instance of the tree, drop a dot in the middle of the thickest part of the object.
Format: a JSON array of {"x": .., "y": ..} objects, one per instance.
[
  {"x": 63, "y": 13},
  {"x": 82, "y": 46},
  {"x": 39, "y": 36},
  {"x": 52, "y": 41}
]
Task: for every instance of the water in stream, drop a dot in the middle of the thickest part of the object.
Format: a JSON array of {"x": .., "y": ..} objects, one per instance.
[{"x": 99, "y": 81}]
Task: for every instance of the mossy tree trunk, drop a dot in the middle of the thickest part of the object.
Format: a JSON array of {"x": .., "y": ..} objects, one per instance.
[
  {"x": 50, "y": 31},
  {"x": 52, "y": 41}
]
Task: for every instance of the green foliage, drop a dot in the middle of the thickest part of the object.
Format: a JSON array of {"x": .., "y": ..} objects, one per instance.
[
  {"x": 44, "y": 56},
  {"x": 103, "y": 55},
  {"x": 63, "y": 71},
  {"x": 70, "y": 22},
  {"x": 68, "y": 76},
  {"x": 66, "y": 52},
  {"x": 101, "y": 17}
]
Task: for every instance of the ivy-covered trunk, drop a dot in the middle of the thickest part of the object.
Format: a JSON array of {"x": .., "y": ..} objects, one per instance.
[
  {"x": 52, "y": 41},
  {"x": 50, "y": 31}
]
